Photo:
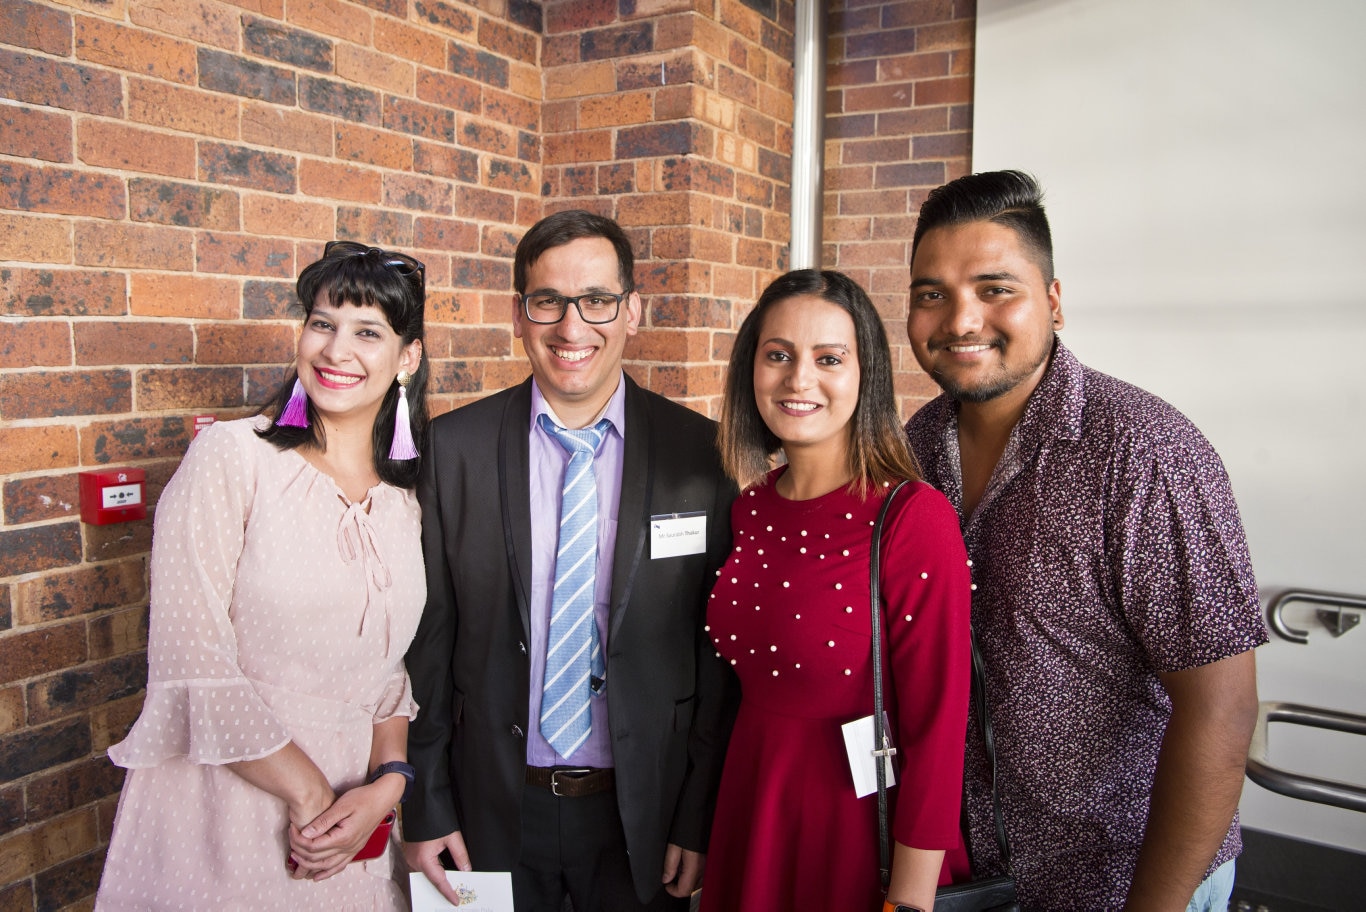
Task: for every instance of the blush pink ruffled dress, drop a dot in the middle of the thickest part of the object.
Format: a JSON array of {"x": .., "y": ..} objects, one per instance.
[{"x": 280, "y": 611}]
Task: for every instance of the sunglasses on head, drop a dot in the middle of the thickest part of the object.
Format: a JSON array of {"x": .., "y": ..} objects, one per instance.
[{"x": 405, "y": 264}]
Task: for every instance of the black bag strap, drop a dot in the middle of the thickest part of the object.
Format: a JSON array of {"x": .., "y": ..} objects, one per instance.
[
  {"x": 979, "y": 696},
  {"x": 881, "y": 745}
]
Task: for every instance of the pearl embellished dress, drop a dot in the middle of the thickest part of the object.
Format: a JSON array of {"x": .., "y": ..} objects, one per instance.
[
  {"x": 790, "y": 611},
  {"x": 280, "y": 611}
]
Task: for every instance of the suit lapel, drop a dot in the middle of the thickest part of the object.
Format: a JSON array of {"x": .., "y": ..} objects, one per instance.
[
  {"x": 514, "y": 484},
  {"x": 633, "y": 510}
]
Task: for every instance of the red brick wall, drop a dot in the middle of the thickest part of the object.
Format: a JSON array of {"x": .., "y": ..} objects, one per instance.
[
  {"x": 678, "y": 125},
  {"x": 167, "y": 168},
  {"x": 898, "y": 124}
]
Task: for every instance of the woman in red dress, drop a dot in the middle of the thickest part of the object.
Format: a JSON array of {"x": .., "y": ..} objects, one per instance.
[{"x": 810, "y": 376}]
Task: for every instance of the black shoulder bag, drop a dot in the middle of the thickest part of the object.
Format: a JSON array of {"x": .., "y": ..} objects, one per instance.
[{"x": 988, "y": 894}]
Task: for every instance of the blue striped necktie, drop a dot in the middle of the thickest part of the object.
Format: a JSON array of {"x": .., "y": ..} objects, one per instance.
[{"x": 573, "y": 655}]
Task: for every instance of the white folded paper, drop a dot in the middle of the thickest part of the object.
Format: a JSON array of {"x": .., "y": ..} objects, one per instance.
[
  {"x": 858, "y": 742},
  {"x": 480, "y": 891}
]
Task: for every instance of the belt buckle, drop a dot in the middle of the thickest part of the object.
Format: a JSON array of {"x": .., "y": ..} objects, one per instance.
[{"x": 568, "y": 773}]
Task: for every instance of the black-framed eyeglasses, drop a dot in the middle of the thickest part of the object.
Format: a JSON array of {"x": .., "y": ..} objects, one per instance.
[
  {"x": 594, "y": 307},
  {"x": 405, "y": 264}
]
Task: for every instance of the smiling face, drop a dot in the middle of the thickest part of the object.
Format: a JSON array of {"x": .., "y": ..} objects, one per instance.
[
  {"x": 806, "y": 374},
  {"x": 577, "y": 365},
  {"x": 982, "y": 314},
  {"x": 348, "y": 357}
]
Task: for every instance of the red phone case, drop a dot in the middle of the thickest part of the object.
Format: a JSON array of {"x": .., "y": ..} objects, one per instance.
[{"x": 374, "y": 846}]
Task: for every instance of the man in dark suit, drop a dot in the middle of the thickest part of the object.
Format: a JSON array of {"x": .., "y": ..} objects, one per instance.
[{"x": 611, "y": 802}]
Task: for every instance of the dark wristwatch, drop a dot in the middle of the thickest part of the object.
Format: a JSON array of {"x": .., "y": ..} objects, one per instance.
[{"x": 403, "y": 769}]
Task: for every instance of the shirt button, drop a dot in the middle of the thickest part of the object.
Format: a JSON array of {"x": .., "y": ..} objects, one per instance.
[{"x": 517, "y": 731}]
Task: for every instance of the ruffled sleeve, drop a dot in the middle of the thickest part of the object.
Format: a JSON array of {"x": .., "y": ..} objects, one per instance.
[
  {"x": 397, "y": 699},
  {"x": 199, "y": 705}
]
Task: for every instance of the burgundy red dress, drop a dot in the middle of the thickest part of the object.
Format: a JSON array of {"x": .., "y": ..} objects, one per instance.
[{"x": 790, "y": 612}]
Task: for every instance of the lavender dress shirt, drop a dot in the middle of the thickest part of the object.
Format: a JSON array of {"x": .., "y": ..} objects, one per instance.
[{"x": 548, "y": 462}]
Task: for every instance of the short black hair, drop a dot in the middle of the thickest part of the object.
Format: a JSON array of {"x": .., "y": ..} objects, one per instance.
[
  {"x": 365, "y": 277},
  {"x": 878, "y": 451},
  {"x": 1010, "y": 198},
  {"x": 560, "y": 228}
]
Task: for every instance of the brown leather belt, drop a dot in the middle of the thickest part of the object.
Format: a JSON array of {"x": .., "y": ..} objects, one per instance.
[{"x": 571, "y": 782}]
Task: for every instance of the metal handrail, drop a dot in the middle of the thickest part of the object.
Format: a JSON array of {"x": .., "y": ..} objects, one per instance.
[
  {"x": 1338, "y": 600},
  {"x": 1297, "y": 785}
]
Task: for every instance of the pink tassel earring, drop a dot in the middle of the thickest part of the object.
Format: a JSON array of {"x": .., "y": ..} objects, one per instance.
[
  {"x": 403, "y": 447},
  {"x": 296, "y": 409}
]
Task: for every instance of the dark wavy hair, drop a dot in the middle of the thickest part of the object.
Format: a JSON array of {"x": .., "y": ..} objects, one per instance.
[
  {"x": 365, "y": 277},
  {"x": 558, "y": 229},
  {"x": 878, "y": 451},
  {"x": 1010, "y": 198}
]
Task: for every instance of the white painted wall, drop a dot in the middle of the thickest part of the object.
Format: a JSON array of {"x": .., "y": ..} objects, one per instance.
[{"x": 1205, "y": 170}]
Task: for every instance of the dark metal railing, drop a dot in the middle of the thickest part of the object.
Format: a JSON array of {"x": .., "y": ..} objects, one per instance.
[
  {"x": 1335, "y": 617},
  {"x": 1298, "y": 785}
]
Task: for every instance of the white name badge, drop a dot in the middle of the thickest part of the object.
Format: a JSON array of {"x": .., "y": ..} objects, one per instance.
[
  {"x": 480, "y": 891},
  {"x": 858, "y": 742},
  {"x": 677, "y": 534}
]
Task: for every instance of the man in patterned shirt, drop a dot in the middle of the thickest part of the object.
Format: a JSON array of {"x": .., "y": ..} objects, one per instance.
[{"x": 1114, "y": 598}]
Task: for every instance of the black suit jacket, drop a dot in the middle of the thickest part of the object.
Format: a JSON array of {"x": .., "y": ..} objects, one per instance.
[{"x": 672, "y": 699}]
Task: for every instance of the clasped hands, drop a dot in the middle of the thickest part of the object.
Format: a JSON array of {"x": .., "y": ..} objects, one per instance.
[{"x": 323, "y": 840}]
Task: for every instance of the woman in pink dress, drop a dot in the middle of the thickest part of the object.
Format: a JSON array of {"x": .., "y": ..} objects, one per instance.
[
  {"x": 810, "y": 376},
  {"x": 286, "y": 583}
]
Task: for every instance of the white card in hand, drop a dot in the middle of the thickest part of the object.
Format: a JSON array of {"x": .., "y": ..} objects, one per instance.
[
  {"x": 858, "y": 742},
  {"x": 480, "y": 891}
]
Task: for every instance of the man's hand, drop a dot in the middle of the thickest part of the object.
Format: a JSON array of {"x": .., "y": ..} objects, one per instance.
[
  {"x": 426, "y": 857},
  {"x": 682, "y": 870}
]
